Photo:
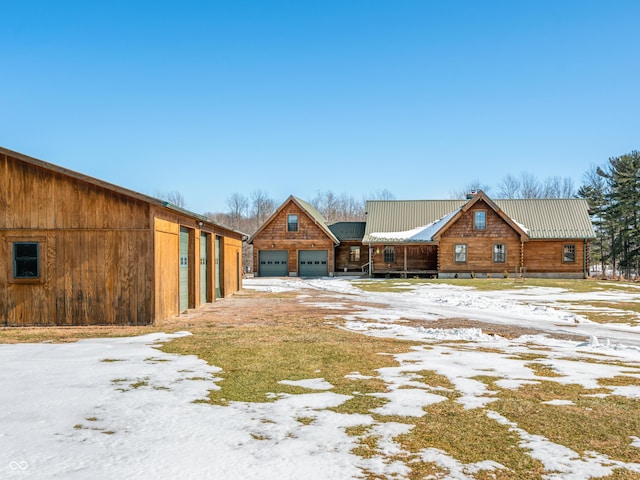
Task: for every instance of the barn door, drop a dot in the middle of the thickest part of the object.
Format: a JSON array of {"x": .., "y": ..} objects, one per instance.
[
  {"x": 204, "y": 268},
  {"x": 184, "y": 269},
  {"x": 218, "y": 269}
]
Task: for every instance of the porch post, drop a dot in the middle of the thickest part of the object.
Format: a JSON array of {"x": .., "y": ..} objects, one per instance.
[{"x": 405, "y": 261}]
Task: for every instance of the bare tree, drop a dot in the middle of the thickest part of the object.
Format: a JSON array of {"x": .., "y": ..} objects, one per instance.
[
  {"x": 530, "y": 186},
  {"x": 509, "y": 187},
  {"x": 238, "y": 206},
  {"x": 343, "y": 208},
  {"x": 472, "y": 186},
  {"x": 262, "y": 206},
  {"x": 382, "y": 194},
  {"x": 558, "y": 187},
  {"x": 174, "y": 197}
]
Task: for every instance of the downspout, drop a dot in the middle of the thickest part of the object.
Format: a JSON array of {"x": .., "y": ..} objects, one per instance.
[{"x": 370, "y": 259}]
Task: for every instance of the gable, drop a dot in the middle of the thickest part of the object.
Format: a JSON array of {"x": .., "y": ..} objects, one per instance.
[
  {"x": 311, "y": 225},
  {"x": 495, "y": 225}
]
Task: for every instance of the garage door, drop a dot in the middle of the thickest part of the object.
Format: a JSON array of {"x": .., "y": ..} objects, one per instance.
[
  {"x": 313, "y": 263},
  {"x": 184, "y": 269},
  {"x": 274, "y": 263},
  {"x": 204, "y": 268}
]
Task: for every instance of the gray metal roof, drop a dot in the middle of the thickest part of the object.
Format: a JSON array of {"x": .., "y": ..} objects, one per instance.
[
  {"x": 348, "y": 230},
  {"x": 551, "y": 218},
  {"x": 542, "y": 218}
]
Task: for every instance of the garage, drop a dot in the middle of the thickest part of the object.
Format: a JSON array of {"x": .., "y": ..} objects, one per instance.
[
  {"x": 273, "y": 263},
  {"x": 313, "y": 263}
]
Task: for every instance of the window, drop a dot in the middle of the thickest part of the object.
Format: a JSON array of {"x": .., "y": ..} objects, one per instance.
[
  {"x": 389, "y": 255},
  {"x": 499, "y": 253},
  {"x": 480, "y": 220},
  {"x": 460, "y": 253},
  {"x": 26, "y": 260},
  {"x": 354, "y": 254},
  {"x": 292, "y": 223},
  {"x": 569, "y": 253}
]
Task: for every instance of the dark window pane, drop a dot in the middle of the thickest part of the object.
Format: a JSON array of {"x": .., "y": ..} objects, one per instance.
[{"x": 26, "y": 260}]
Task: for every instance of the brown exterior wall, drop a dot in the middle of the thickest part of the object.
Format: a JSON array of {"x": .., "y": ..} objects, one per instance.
[
  {"x": 342, "y": 255},
  {"x": 167, "y": 261},
  {"x": 106, "y": 258},
  {"x": 412, "y": 258},
  {"x": 95, "y": 250},
  {"x": 231, "y": 270},
  {"x": 545, "y": 256},
  {"x": 480, "y": 244},
  {"x": 274, "y": 236}
]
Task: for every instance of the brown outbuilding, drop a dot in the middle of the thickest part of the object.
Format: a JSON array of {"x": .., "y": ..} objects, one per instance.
[{"x": 75, "y": 250}]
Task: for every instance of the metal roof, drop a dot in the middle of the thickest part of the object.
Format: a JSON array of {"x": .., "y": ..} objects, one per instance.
[
  {"x": 551, "y": 218},
  {"x": 542, "y": 218},
  {"x": 348, "y": 230}
]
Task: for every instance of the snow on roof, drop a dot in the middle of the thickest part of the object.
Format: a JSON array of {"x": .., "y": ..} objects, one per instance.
[{"x": 423, "y": 233}]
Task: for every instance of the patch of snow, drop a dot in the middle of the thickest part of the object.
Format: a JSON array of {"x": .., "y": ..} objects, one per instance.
[
  {"x": 457, "y": 470},
  {"x": 406, "y": 402},
  {"x": 566, "y": 463},
  {"x": 310, "y": 383},
  {"x": 558, "y": 402}
]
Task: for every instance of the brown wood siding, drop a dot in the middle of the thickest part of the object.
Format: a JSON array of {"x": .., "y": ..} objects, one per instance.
[
  {"x": 106, "y": 257},
  {"x": 95, "y": 250},
  {"x": 32, "y": 197},
  {"x": 167, "y": 268},
  {"x": 342, "y": 256},
  {"x": 545, "y": 256},
  {"x": 308, "y": 237},
  {"x": 412, "y": 258},
  {"x": 92, "y": 277},
  {"x": 231, "y": 268},
  {"x": 293, "y": 247},
  {"x": 480, "y": 244}
]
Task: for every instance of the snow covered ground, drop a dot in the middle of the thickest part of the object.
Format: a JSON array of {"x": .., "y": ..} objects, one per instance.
[{"x": 120, "y": 408}]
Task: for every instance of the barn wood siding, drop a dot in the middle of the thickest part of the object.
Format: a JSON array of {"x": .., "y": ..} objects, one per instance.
[
  {"x": 91, "y": 277},
  {"x": 95, "y": 246}
]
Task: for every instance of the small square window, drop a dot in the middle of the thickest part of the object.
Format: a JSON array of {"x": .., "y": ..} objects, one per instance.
[
  {"x": 26, "y": 260},
  {"x": 389, "y": 255},
  {"x": 480, "y": 220},
  {"x": 354, "y": 254},
  {"x": 569, "y": 253},
  {"x": 460, "y": 253},
  {"x": 499, "y": 253},
  {"x": 292, "y": 223}
]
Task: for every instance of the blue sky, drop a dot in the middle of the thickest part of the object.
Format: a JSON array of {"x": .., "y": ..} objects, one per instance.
[{"x": 420, "y": 98}]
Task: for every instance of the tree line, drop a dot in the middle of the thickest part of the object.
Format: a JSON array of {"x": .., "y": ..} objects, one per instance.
[
  {"x": 611, "y": 190},
  {"x": 613, "y": 193}
]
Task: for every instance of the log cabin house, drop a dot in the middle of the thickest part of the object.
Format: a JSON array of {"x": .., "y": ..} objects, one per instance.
[
  {"x": 75, "y": 250},
  {"x": 479, "y": 237},
  {"x": 431, "y": 238}
]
